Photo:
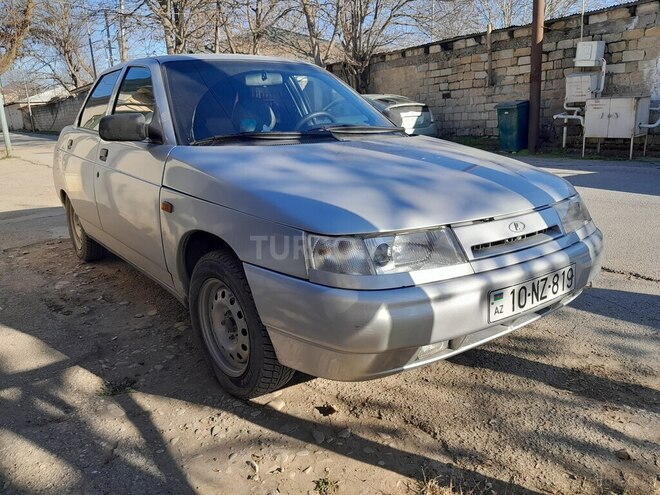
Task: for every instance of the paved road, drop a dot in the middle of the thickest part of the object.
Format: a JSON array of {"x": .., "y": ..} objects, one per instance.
[
  {"x": 29, "y": 208},
  {"x": 624, "y": 200}
]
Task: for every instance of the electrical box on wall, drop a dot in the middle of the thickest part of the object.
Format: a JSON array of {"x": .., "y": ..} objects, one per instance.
[
  {"x": 617, "y": 117},
  {"x": 589, "y": 53},
  {"x": 580, "y": 86}
]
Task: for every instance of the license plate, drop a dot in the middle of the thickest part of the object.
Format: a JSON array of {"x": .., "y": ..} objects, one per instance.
[{"x": 510, "y": 301}]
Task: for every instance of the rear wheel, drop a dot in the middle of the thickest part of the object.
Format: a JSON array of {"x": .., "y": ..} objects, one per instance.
[
  {"x": 234, "y": 341},
  {"x": 87, "y": 249}
]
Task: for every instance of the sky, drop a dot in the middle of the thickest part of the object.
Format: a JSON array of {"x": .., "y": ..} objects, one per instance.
[{"x": 143, "y": 42}]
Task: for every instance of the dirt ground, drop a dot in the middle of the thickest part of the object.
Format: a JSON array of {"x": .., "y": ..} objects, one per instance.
[{"x": 104, "y": 391}]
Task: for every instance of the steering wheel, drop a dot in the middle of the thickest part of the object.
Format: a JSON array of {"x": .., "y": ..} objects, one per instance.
[
  {"x": 312, "y": 116},
  {"x": 332, "y": 104}
]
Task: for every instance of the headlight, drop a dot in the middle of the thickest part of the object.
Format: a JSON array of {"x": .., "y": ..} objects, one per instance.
[
  {"x": 384, "y": 254},
  {"x": 573, "y": 213}
]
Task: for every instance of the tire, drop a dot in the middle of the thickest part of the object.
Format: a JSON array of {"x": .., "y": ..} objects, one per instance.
[
  {"x": 86, "y": 248},
  {"x": 233, "y": 339}
]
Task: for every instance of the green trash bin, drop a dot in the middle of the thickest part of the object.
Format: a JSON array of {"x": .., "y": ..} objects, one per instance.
[{"x": 513, "y": 122}]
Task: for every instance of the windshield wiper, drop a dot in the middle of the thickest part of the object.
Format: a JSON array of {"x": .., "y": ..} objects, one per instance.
[
  {"x": 257, "y": 136},
  {"x": 356, "y": 129}
]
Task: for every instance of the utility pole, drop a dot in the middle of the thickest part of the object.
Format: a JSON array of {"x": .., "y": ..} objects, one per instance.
[
  {"x": 107, "y": 38},
  {"x": 91, "y": 50},
  {"x": 5, "y": 127},
  {"x": 121, "y": 35},
  {"x": 27, "y": 96},
  {"x": 538, "y": 18}
]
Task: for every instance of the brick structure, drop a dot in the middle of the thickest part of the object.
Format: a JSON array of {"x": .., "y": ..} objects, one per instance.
[{"x": 452, "y": 75}]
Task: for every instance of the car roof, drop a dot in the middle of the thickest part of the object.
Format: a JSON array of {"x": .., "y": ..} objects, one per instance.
[{"x": 161, "y": 59}]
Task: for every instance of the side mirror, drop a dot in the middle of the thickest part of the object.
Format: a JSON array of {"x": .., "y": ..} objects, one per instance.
[{"x": 123, "y": 127}]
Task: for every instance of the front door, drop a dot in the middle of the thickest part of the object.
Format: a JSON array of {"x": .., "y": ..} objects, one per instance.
[
  {"x": 80, "y": 148},
  {"x": 129, "y": 180}
]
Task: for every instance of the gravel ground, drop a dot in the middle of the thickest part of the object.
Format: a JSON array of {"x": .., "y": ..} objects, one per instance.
[{"x": 102, "y": 390}]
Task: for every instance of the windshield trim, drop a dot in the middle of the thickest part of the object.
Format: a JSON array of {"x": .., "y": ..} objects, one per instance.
[{"x": 311, "y": 135}]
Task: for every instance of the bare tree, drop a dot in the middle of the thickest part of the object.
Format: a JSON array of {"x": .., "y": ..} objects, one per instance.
[
  {"x": 136, "y": 28},
  {"x": 505, "y": 13},
  {"x": 248, "y": 24},
  {"x": 369, "y": 26},
  {"x": 500, "y": 13},
  {"x": 322, "y": 21},
  {"x": 14, "y": 27},
  {"x": 184, "y": 22},
  {"x": 442, "y": 19},
  {"x": 59, "y": 41}
]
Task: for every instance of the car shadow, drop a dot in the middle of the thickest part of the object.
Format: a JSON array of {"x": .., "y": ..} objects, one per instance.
[
  {"x": 39, "y": 412},
  {"x": 633, "y": 307},
  {"x": 605, "y": 390},
  {"x": 24, "y": 227}
]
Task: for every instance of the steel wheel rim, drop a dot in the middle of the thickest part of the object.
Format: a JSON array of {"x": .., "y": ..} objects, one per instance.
[
  {"x": 224, "y": 327},
  {"x": 76, "y": 230}
]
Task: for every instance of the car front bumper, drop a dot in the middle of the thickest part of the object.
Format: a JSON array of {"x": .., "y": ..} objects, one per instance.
[{"x": 353, "y": 335}]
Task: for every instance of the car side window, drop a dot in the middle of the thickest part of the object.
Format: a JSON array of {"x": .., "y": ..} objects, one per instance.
[
  {"x": 97, "y": 104},
  {"x": 136, "y": 93}
]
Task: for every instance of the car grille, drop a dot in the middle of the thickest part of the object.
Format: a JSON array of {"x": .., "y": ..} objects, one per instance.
[{"x": 516, "y": 242}]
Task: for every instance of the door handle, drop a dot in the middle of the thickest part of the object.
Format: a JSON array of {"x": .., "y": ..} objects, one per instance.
[
  {"x": 69, "y": 144},
  {"x": 103, "y": 155}
]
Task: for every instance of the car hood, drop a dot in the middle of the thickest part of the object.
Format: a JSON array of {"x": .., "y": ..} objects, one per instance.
[{"x": 378, "y": 184}]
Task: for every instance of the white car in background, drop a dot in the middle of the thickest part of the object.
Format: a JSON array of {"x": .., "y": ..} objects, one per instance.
[{"x": 416, "y": 118}]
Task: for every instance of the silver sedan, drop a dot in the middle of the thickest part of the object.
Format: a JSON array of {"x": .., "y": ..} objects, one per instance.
[{"x": 306, "y": 232}]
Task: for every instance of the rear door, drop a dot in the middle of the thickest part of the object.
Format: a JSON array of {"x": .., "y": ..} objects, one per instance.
[
  {"x": 80, "y": 148},
  {"x": 129, "y": 181}
]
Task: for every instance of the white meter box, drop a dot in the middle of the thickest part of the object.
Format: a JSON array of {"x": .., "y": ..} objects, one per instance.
[
  {"x": 581, "y": 86},
  {"x": 589, "y": 53},
  {"x": 617, "y": 117}
]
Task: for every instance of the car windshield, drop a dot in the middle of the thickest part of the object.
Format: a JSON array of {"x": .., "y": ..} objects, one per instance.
[{"x": 216, "y": 98}]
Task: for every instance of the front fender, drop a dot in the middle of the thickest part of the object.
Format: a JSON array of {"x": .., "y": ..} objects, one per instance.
[{"x": 255, "y": 241}]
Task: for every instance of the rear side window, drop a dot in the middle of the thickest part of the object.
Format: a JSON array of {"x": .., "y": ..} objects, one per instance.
[
  {"x": 136, "y": 93},
  {"x": 97, "y": 103}
]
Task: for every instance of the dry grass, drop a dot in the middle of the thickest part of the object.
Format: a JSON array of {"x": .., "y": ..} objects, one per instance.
[
  {"x": 325, "y": 486},
  {"x": 432, "y": 487},
  {"x": 451, "y": 485}
]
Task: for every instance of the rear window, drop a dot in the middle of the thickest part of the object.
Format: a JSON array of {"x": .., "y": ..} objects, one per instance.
[
  {"x": 410, "y": 115},
  {"x": 136, "y": 93},
  {"x": 97, "y": 104}
]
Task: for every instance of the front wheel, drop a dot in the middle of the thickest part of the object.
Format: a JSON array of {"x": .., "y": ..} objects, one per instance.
[{"x": 234, "y": 341}]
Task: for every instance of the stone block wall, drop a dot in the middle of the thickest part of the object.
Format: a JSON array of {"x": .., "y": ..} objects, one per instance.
[{"x": 453, "y": 77}]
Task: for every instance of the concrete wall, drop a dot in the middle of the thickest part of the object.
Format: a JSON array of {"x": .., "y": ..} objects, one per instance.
[
  {"x": 452, "y": 75},
  {"x": 14, "y": 117},
  {"x": 47, "y": 117},
  {"x": 56, "y": 116}
]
